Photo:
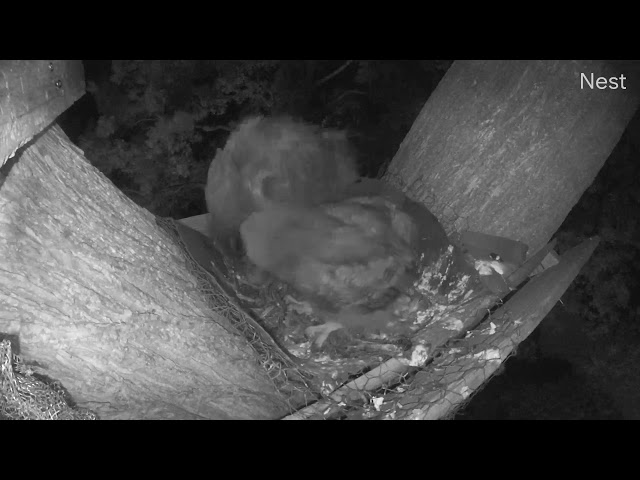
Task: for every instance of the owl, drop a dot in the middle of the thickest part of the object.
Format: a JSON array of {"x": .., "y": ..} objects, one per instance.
[{"x": 274, "y": 161}]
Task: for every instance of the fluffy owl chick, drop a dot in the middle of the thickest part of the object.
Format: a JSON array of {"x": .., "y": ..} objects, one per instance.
[
  {"x": 274, "y": 161},
  {"x": 351, "y": 258}
]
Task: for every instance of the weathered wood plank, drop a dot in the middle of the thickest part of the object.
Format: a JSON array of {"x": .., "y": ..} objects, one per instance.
[{"x": 32, "y": 95}]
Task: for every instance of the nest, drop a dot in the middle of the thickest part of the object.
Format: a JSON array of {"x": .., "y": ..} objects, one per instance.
[
  {"x": 353, "y": 367},
  {"x": 25, "y": 395}
]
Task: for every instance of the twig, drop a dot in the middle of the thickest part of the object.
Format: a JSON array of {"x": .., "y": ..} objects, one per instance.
[
  {"x": 348, "y": 92},
  {"x": 186, "y": 184},
  {"x": 213, "y": 129},
  {"x": 334, "y": 73}
]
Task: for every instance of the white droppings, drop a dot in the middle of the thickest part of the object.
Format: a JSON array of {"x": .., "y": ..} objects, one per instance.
[
  {"x": 301, "y": 350},
  {"x": 453, "y": 324},
  {"x": 422, "y": 317},
  {"x": 489, "y": 354},
  {"x": 460, "y": 287},
  {"x": 488, "y": 267},
  {"x": 419, "y": 356},
  {"x": 465, "y": 392}
]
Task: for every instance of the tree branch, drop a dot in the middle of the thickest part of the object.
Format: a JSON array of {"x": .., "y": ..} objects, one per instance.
[
  {"x": 213, "y": 129},
  {"x": 348, "y": 92}
]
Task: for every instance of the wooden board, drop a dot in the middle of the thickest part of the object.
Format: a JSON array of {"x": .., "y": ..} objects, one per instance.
[{"x": 32, "y": 95}]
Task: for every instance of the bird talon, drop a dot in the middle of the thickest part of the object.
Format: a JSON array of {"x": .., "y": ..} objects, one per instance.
[{"x": 321, "y": 332}]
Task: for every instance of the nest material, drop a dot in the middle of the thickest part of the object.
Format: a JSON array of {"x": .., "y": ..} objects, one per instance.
[{"x": 25, "y": 396}]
